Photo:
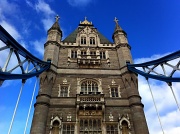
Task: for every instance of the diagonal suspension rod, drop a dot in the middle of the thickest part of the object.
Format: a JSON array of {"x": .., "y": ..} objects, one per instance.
[
  {"x": 30, "y": 105},
  {"x": 7, "y": 61},
  {"x": 155, "y": 106},
  {"x": 15, "y": 109},
  {"x": 170, "y": 85}
]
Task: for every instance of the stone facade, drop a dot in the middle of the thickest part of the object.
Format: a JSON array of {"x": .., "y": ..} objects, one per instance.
[{"x": 88, "y": 89}]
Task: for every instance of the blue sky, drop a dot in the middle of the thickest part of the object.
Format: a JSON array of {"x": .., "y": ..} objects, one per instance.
[{"x": 153, "y": 29}]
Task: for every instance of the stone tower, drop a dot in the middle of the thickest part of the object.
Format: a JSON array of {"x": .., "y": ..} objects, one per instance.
[{"x": 88, "y": 88}]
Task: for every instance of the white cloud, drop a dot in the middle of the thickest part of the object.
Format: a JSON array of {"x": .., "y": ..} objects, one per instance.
[
  {"x": 47, "y": 23},
  {"x": 43, "y": 7},
  {"x": 29, "y": 4},
  {"x": 11, "y": 30},
  {"x": 7, "y": 8},
  {"x": 153, "y": 57},
  {"x": 48, "y": 13},
  {"x": 39, "y": 46},
  {"x": 165, "y": 102},
  {"x": 79, "y": 3}
]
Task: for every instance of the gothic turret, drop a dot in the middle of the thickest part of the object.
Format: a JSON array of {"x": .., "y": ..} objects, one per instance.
[
  {"x": 55, "y": 33},
  {"x": 53, "y": 44},
  {"x": 47, "y": 79},
  {"x": 121, "y": 42},
  {"x": 119, "y": 35}
]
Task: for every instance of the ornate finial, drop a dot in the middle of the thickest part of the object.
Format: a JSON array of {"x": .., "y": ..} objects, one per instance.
[
  {"x": 117, "y": 27},
  {"x": 57, "y": 18},
  {"x": 86, "y": 21},
  {"x": 116, "y": 20}
]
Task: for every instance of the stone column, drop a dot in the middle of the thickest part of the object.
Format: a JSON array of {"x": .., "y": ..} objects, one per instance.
[
  {"x": 136, "y": 106},
  {"x": 42, "y": 104}
]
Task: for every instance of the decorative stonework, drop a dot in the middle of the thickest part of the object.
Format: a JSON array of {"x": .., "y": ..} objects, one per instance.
[
  {"x": 64, "y": 88},
  {"x": 114, "y": 89},
  {"x": 64, "y": 81},
  {"x": 69, "y": 116},
  {"x": 124, "y": 117},
  {"x": 95, "y": 70},
  {"x": 113, "y": 82},
  {"x": 56, "y": 118},
  {"x": 80, "y": 80},
  {"x": 111, "y": 117}
]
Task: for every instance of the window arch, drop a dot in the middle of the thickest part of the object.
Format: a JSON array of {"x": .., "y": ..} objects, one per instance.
[
  {"x": 112, "y": 129},
  {"x": 89, "y": 86},
  {"x": 92, "y": 40},
  {"x": 124, "y": 127},
  {"x": 83, "y": 40},
  {"x": 55, "y": 128}
]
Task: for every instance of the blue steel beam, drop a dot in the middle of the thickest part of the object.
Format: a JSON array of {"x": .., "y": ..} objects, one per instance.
[
  {"x": 160, "y": 61},
  {"x": 40, "y": 66}
]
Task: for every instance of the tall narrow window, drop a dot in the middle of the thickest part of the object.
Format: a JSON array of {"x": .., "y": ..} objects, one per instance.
[
  {"x": 112, "y": 129},
  {"x": 93, "y": 53},
  {"x": 55, "y": 129},
  {"x": 73, "y": 54},
  {"x": 68, "y": 128},
  {"x": 92, "y": 40},
  {"x": 83, "y": 40},
  {"x": 90, "y": 126},
  {"x": 114, "y": 92},
  {"x": 89, "y": 86},
  {"x": 83, "y": 52},
  {"x": 124, "y": 127},
  {"x": 64, "y": 91},
  {"x": 102, "y": 55}
]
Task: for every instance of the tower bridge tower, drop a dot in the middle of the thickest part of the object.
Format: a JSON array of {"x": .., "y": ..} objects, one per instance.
[{"x": 88, "y": 88}]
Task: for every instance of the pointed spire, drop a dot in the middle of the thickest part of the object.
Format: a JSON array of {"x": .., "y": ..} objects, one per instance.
[
  {"x": 57, "y": 18},
  {"x": 119, "y": 33},
  {"x": 117, "y": 27},
  {"x": 56, "y": 26}
]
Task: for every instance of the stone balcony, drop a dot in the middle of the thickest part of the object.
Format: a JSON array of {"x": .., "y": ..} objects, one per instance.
[
  {"x": 88, "y": 60},
  {"x": 90, "y": 98},
  {"x": 90, "y": 101}
]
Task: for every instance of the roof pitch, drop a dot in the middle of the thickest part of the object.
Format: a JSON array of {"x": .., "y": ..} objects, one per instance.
[{"x": 72, "y": 37}]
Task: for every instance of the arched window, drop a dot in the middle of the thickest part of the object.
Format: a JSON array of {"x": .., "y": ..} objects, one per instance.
[
  {"x": 92, "y": 40},
  {"x": 73, "y": 54},
  {"x": 89, "y": 87},
  {"x": 103, "y": 55},
  {"x": 111, "y": 129},
  {"x": 55, "y": 129},
  {"x": 90, "y": 126},
  {"x": 68, "y": 128},
  {"x": 124, "y": 127},
  {"x": 83, "y": 40}
]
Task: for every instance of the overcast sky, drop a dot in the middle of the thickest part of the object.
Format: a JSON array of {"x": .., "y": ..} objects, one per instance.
[{"x": 153, "y": 29}]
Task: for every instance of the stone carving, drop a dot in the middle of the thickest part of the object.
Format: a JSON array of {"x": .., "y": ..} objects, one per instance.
[
  {"x": 124, "y": 117},
  {"x": 111, "y": 118},
  {"x": 56, "y": 118},
  {"x": 69, "y": 117}
]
